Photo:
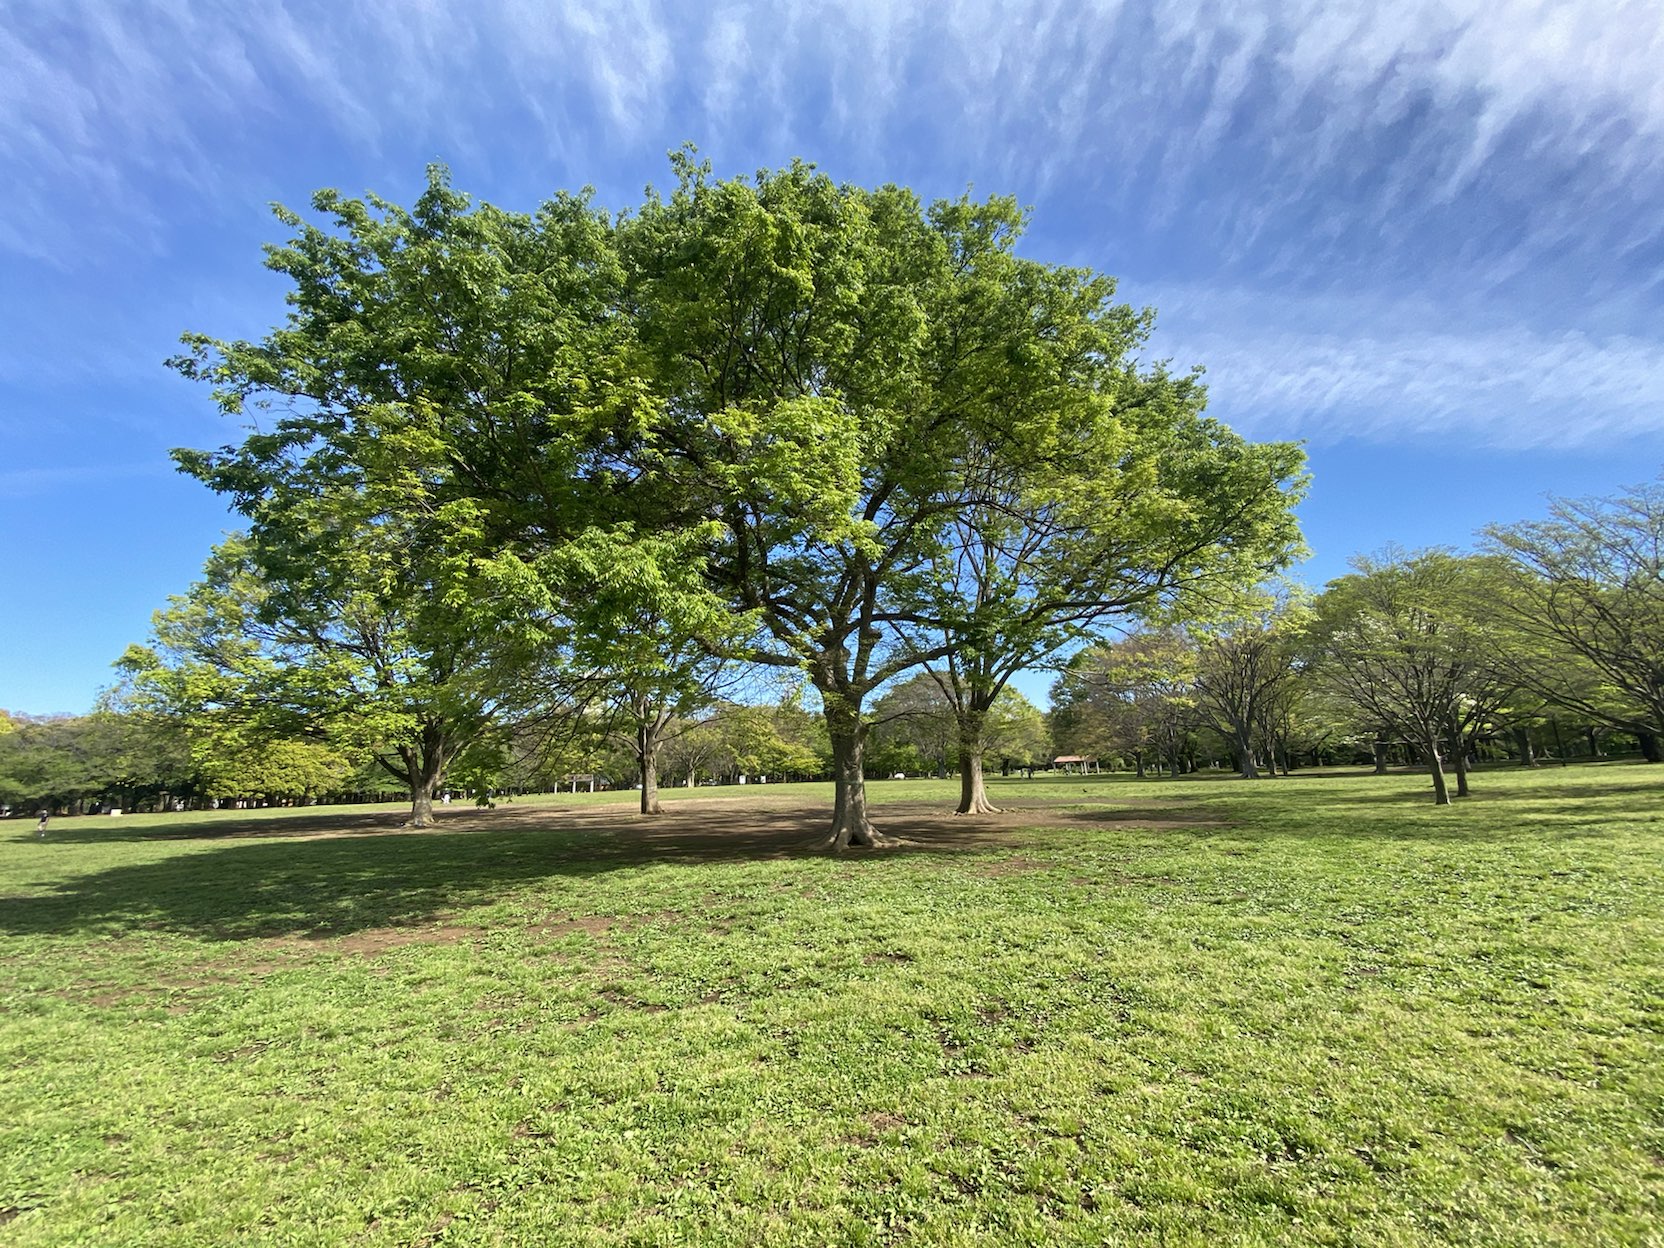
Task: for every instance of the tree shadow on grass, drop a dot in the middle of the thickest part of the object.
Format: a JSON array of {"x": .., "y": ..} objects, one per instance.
[{"x": 344, "y": 879}]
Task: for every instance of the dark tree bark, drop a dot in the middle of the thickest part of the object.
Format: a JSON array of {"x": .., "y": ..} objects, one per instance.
[
  {"x": 1528, "y": 752},
  {"x": 1380, "y": 757},
  {"x": 1649, "y": 744},
  {"x": 423, "y": 768},
  {"x": 647, "y": 758},
  {"x": 1435, "y": 768},
  {"x": 1459, "y": 757}
]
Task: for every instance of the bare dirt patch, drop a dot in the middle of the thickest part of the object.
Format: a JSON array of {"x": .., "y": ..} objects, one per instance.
[
  {"x": 378, "y": 940},
  {"x": 756, "y": 826},
  {"x": 594, "y": 925},
  {"x": 1014, "y": 866}
]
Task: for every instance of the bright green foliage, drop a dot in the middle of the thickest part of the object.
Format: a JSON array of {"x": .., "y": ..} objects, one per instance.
[
  {"x": 329, "y": 635},
  {"x": 812, "y": 425},
  {"x": 275, "y": 769},
  {"x": 1586, "y": 607},
  {"x": 1410, "y": 642},
  {"x": 1132, "y": 700},
  {"x": 788, "y": 323},
  {"x": 922, "y": 447},
  {"x": 646, "y": 641},
  {"x": 441, "y": 387}
]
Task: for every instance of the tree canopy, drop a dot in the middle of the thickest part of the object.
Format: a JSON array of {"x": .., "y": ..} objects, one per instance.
[{"x": 790, "y": 422}]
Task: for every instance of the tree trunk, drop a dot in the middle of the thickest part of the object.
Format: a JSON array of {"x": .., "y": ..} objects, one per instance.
[
  {"x": 1528, "y": 752},
  {"x": 1380, "y": 757},
  {"x": 1247, "y": 768},
  {"x": 1650, "y": 750},
  {"x": 1138, "y": 763},
  {"x": 1459, "y": 755},
  {"x": 849, "y": 801},
  {"x": 973, "y": 796},
  {"x": 424, "y": 767},
  {"x": 1435, "y": 767},
  {"x": 647, "y": 758}
]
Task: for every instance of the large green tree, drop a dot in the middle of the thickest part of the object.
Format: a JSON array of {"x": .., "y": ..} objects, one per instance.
[
  {"x": 431, "y": 422},
  {"x": 333, "y": 637},
  {"x": 920, "y": 447}
]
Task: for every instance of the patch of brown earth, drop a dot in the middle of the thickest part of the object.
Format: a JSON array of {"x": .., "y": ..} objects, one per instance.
[{"x": 755, "y": 826}]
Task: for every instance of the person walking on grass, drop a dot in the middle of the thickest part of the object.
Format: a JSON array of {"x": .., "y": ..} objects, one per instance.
[{"x": 40, "y": 828}]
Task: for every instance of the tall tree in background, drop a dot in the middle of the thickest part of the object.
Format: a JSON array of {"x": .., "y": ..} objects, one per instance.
[
  {"x": 1132, "y": 505},
  {"x": 333, "y": 637},
  {"x": 1400, "y": 641},
  {"x": 1243, "y": 671},
  {"x": 1131, "y": 699},
  {"x": 1589, "y": 588},
  {"x": 647, "y": 637}
]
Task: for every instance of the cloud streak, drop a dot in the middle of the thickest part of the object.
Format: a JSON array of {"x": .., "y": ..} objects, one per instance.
[
  {"x": 1392, "y": 377},
  {"x": 1472, "y": 155}
]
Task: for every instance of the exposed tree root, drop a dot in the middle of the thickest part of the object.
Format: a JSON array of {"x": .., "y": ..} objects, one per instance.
[{"x": 856, "y": 836}]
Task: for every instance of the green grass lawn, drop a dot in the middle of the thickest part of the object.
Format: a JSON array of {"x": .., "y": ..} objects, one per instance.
[{"x": 1315, "y": 1010}]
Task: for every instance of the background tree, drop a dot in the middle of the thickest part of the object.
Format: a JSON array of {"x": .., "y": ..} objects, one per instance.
[
  {"x": 322, "y": 630},
  {"x": 1133, "y": 699},
  {"x": 442, "y": 403},
  {"x": 1586, "y": 605},
  {"x": 1243, "y": 673},
  {"x": 1397, "y": 640},
  {"x": 1092, "y": 490}
]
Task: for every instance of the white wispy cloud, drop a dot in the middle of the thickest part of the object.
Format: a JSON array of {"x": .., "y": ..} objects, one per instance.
[
  {"x": 1462, "y": 150},
  {"x": 99, "y": 95},
  {"x": 1337, "y": 368}
]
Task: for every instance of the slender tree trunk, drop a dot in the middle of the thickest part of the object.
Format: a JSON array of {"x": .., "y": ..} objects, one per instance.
[
  {"x": 1435, "y": 767},
  {"x": 1138, "y": 763},
  {"x": 1528, "y": 752},
  {"x": 1380, "y": 757},
  {"x": 647, "y": 758},
  {"x": 1459, "y": 755},
  {"x": 850, "y": 825},
  {"x": 1247, "y": 768}
]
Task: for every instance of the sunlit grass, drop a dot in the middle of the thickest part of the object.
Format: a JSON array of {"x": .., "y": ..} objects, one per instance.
[{"x": 1316, "y": 1010}]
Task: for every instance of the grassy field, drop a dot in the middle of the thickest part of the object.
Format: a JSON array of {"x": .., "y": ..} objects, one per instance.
[{"x": 1308, "y": 1011}]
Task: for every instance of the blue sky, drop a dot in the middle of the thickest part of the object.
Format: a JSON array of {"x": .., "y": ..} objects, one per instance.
[{"x": 1424, "y": 237}]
